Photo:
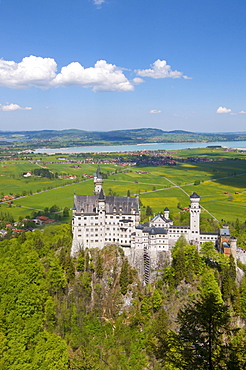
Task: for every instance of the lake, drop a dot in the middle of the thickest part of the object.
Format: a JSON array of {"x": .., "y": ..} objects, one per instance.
[{"x": 140, "y": 147}]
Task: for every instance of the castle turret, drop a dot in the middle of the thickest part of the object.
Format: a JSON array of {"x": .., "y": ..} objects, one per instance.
[
  {"x": 195, "y": 217},
  {"x": 98, "y": 181},
  {"x": 166, "y": 213},
  {"x": 101, "y": 201}
]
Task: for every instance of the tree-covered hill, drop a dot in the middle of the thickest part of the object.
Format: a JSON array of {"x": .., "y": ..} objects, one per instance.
[
  {"x": 93, "y": 312},
  {"x": 75, "y": 137}
]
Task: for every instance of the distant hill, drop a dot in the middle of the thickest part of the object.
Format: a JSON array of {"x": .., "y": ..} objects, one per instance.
[{"x": 75, "y": 137}]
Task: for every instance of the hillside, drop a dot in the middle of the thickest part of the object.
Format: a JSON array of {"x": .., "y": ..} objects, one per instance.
[
  {"x": 93, "y": 312},
  {"x": 72, "y": 137}
]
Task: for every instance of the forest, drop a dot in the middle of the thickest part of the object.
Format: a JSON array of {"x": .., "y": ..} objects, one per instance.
[{"x": 93, "y": 312}]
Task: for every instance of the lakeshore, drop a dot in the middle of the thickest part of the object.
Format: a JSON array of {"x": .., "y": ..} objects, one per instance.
[{"x": 240, "y": 145}]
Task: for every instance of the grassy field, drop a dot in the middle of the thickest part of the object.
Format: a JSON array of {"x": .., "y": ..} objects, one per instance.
[{"x": 222, "y": 185}]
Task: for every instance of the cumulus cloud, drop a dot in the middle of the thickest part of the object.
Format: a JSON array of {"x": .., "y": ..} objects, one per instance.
[
  {"x": 154, "y": 111},
  {"x": 223, "y": 110},
  {"x": 137, "y": 80},
  {"x": 31, "y": 71},
  {"x": 242, "y": 112},
  {"x": 12, "y": 107},
  {"x": 102, "y": 77},
  {"x": 160, "y": 69},
  {"x": 42, "y": 72}
]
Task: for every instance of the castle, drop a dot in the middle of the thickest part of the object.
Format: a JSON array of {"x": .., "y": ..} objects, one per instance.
[{"x": 100, "y": 220}]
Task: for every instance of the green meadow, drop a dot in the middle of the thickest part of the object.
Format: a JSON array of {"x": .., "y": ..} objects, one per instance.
[{"x": 221, "y": 185}]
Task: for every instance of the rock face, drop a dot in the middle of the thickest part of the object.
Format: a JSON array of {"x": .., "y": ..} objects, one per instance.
[{"x": 148, "y": 263}]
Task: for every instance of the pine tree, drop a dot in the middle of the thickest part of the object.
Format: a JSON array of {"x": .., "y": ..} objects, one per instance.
[
  {"x": 99, "y": 267},
  {"x": 124, "y": 281}
]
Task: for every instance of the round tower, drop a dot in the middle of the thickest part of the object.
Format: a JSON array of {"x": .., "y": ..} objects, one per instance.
[
  {"x": 195, "y": 216},
  {"x": 166, "y": 213}
]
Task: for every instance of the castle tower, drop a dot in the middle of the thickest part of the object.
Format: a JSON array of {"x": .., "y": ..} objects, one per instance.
[
  {"x": 101, "y": 201},
  {"x": 195, "y": 218},
  {"x": 166, "y": 213},
  {"x": 98, "y": 181}
]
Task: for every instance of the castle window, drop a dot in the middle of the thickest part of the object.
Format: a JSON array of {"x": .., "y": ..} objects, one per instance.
[{"x": 79, "y": 218}]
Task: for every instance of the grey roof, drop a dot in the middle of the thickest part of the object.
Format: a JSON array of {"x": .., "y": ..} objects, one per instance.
[
  {"x": 154, "y": 230},
  {"x": 208, "y": 233},
  {"x": 194, "y": 195},
  {"x": 101, "y": 195},
  {"x": 166, "y": 209},
  {"x": 89, "y": 204},
  {"x": 225, "y": 232},
  {"x": 179, "y": 227},
  {"x": 161, "y": 216}
]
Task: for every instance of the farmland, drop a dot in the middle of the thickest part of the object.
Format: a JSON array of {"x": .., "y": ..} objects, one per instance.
[{"x": 220, "y": 183}]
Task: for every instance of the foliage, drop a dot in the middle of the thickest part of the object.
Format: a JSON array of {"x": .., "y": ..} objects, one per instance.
[
  {"x": 124, "y": 280},
  {"x": 92, "y": 312}
]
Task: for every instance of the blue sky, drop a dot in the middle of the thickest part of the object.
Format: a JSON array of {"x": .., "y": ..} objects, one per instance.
[{"x": 114, "y": 64}]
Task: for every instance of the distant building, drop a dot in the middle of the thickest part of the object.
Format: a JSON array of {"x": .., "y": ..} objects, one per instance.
[{"x": 226, "y": 243}]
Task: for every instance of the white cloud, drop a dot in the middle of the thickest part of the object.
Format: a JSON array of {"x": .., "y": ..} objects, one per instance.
[
  {"x": 31, "y": 71},
  {"x": 12, "y": 107},
  {"x": 242, "y": 112},
  {"x": 42, "y": 72},
  {"x": 154, "y": 111},
  {"x": 102, "y": 77},
  {"x": 223, "y": 110},
  {"x": 160, "y": 69},
  {"x": 137, "y": 80},
  {"x": 98, "y": 2}
]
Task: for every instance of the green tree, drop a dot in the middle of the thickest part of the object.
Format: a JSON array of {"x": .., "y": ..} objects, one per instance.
[
  {"x": 148, "y": 211},
  {"x": 202, "y": 326},
  {"x": 124, "y": 277},
  {"x": 99, "y": 267},
  {"x": 81, "y": 261},
  {"x": 156, "y": 300},
  {"x": 66, "y": 212}
]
